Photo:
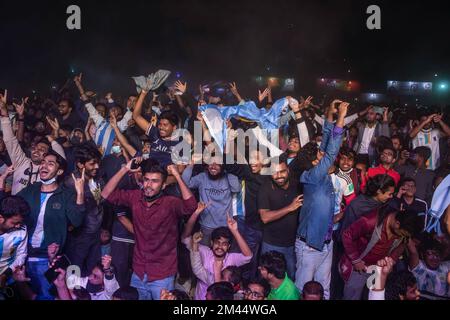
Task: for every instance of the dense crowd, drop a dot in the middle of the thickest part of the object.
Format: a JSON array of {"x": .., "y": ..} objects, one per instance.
[{"x": 348, "y": 202}]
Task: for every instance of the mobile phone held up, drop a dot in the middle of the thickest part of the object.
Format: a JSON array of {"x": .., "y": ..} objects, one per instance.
[{"x": 61, "y": 263}]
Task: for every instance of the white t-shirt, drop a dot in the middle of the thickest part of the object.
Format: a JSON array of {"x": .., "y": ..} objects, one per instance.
[
  {"x": 429, "y": 138},
  {"x": 366, "y": 139},
  {"x": 38, "y": 235}
]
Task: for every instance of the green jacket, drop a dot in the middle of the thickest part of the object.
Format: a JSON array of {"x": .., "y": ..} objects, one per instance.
[{"x": 61, "y": 210}]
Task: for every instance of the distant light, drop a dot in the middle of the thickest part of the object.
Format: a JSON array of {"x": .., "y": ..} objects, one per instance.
[
  {"x": 178, "y": 74},
  {"x": 350, "y": 83},
  {"x": 268, "y": 68},
  {"x": 323, "y": 80},
  {"x": 443, "y": 86},
  {"x": 435, "y": 74},
  {"x": 349, "y": 71}
]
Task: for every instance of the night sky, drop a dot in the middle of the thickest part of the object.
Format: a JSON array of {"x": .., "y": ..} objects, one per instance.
[{"x": 229, "y": 40}]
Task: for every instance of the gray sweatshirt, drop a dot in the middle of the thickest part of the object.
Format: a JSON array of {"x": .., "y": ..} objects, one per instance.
[{"x": 216, "y": 193}]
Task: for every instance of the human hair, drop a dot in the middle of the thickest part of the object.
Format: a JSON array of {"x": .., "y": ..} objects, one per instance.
[
  {"x": 424, "y": 152},
  {"x": 62, "y": 163},
  {"x": 45, "y": 141},
  {"x": 86, "y": 152},
  {"x": 390, "y": 147},
  {"x": 126, "y": 293},
  {"x": 222, "y": 290},
  {"x": 222, "y": 232},
  {"x": 235, "y": 274},
  {"x": 307, "y": 155},
  {"x": 169, "y": 116},
  {"x": 400, "y": 139},
  {"x": 347, "y": 152},
  {"x": 69, "y": 102},
  {"x": 82, "y": 294},
  {"x": 261, "y": 282},
  {"x": 406, "y": 219},
  {"x": 66, "y": 127},
  {"x": 405, "y": 180},
  {"x": 313, "y": 288},
  {"x": 180, "y": 295},
  {"x": 12, "y": 206},
  {"x": 430, "y": 243},
  {"x": 397, "y": 283},
  {"x": 380, "y": 182},
  {"x": 152, "y": 166},
  {"x": 275, "y": 263}
]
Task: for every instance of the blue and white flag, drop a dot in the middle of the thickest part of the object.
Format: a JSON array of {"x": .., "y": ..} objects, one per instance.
[
  {"x": 268, "y": 119},
  {"x": 439, "y": 203}
]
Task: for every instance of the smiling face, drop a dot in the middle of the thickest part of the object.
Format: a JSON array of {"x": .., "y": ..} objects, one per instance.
[
  {"x": 220, "y": 247},
  {"x": 281, "y": 174},
  {"x": 91, "y": 168},
  {"x": 346, "y": 162},
  {"x": 49, "y": 168},
  {"x": 256, "y": 161},
  {"x": 412, "y": 293},
  {"x": 294, "y": 145},
  {"x": 38, "y": 152},
  {"x": 64, "y": 108},
  {"x": 165, "y": 128},
  {"x": 214, "y": 169}
]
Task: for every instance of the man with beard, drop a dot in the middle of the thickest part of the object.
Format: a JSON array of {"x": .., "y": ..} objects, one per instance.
[
  {"x": 209, "y": 262},
  {"x": 278, "y": 204},
  {"x": 83, "y": 243},
  {"x": 155, "y": 224},
  {"x": 13, "y": 236},
  {"x": 52, "y": 208},
  {"x": 368, "y": 132},
  {"x": 387, "y": 161},
  {"x": 215, "y": 188},
  {"x": 26, "y": 169},
  {"x": 68, "y": 115}
]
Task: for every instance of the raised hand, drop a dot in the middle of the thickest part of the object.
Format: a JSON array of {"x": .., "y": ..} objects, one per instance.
[
  {"x": 233, "y": 88},
  {"x": 108, "y": 96},
  {"x": 106, "y": 262},
  {"x": 130, "y": 164},
  {"x": 197, "y": 237},
  {"x": 77, "y": 79},
  {"x": 263, "y": 95},
  {"x": 305, "y": 103},
  {"x": 385, "y": 114},
  {"x": 386, "y": 265},
  {"x": 79, "y": 182},
  {"x": 180, "y": 86},
  {"x": 201, "y": 206},
  {"x": 60, "y": 280},
  {"x": 333, "y": 107},
  {"x": 113, "y": 121},
  {"x": 20, "y": 108},
  {"x": 343, "y": 108},
  {"x": 9, "y": 171},
  {"x": 231, "y": 223},
  {"x": 173, "y": 170},
  {"x": 437, "y": 118},
  {"x": 53, "y": 123}
]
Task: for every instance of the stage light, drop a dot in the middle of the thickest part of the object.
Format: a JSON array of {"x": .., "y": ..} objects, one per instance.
[
  {"x": 178, "y": 75},
  {"x": 443, "y": 86},
  {"x": 435, "y": 74}
]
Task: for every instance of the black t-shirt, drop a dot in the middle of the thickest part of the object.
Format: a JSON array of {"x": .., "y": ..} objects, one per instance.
[
  {"x": 281, "y": 232},
  {"x": 418, "y": 208}
]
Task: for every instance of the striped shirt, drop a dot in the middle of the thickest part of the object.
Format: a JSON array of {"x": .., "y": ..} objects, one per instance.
[{"x": 13, "y": 249}]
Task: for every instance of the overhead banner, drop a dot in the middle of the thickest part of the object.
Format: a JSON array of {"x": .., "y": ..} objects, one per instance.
[{"x": 409, "y": 88}]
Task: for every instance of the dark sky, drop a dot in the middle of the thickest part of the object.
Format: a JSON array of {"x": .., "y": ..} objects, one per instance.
[{"x": 230, "y": 40}]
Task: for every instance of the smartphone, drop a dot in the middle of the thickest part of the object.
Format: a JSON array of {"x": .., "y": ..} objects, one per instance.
[
  {"x": 378, "y": 110},
  {"x": 134, "y": 165},
  {"x": 62, "y": 263}
]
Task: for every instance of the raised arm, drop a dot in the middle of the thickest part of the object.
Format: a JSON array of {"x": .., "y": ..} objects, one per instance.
[
  {"x": 444, "y": 126},
  {"x": 20, "y": 109},
  {"x": 186, "y": 193},
  {"x": 137, "y": 112},
  {"x": 114, "y": 181},
  {"x": 273, "y": 215},
  {"x": 233, "y": 226},
  {"x": 122, "y": 139},
  {"x": 414, "y": 131},
  {"x": 235, "y": 91},
  {"x": 189, "y": 226}
]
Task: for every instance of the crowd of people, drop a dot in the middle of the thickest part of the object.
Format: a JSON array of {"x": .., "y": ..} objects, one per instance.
[{"x": 356, "y": 205}]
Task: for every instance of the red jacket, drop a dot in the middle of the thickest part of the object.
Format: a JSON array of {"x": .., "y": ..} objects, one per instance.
[
  {"x": 355, "y": 240},
  {"x": 372, "y": 172}
]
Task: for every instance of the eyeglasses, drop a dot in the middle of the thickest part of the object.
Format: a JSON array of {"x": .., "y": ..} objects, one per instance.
[{"x": 254, "y": 294}]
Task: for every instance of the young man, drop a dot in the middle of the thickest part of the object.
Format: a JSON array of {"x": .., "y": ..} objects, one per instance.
[
  {"x": 278, "y": 204},
  {"x": 83, "y": 243},
  {"x": 368, "y": 240},
  {"x": 425, "y": 134},
  {"x": 155, "y": 223},
  {"x": 52, "y": 208},
  {"x": 26, "y": 169},
  {"x": 222, "y": 290},
  {"x": 13, "y": 236},
  {"x": 348, "y": 176},
  {"x": 312, "y": 291},
  {"x": 406, "y": 199},
  {"x": 428, "y": 268},
  {"x": 257, "y": 290},
  {"x": 368, "y": 132},
  {"x": 216, "y": 189},
  {"x": 68, "y": 115},
  {"x": 273, "y": 269},
  {"x": 387, "y": 161},
  {"x": 160, "y": 137},
  {"x": 209, "y": 262},
  {"x": 418, "y": 171},
  {"x": 314, "y": 243}
]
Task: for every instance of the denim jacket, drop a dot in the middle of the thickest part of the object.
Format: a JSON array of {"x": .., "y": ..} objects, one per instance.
[{"x": 318, "y": 193}]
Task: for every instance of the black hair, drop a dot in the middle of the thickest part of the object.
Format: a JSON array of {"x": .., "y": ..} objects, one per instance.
[
  {"x": 424, "y": 152},
  {"x": 169, "y": 116},
  {"x": 397, "y": 284},
  {"x": 222, "y": 290},
  {"x": 380, "y": 182},
  {"x": 383, "y": 143},
  {"x": 69, "y": 102},
  {"x": 152, "y": 166},
  {"x": 44, "y": 141},
  {"x": 126, "y": 293},
  {"x": 398, "y": 138},
  {"x": 86, "y": 152},
  {"x": 348, "y": 152},
  {"x": 62, "y": 163},
  {"x": 236, "y": 274},
  {"x": 82, "y": 294},
  {"x": 180, "y": 295},
  {"x": 222, "y": 232},
  {"x": 275, "y": 263},
  {"x": 430, "y": 243},
  {"x": 66, "y": 127},
  {"x": 307, "y": 155},
  {"x": 12, "y": 206},
  {"x": 406, "y": 219},
  {"x": 390, "y": 147},
  {"x": 261, "y": 282},
  {"x": 405, "y": 180},
  {"x": 313, "y": 288}
]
